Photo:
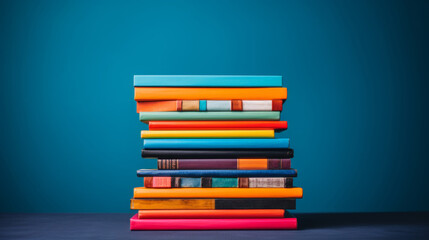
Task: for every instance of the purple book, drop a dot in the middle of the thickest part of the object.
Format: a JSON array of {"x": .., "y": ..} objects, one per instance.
[{"x": 221, "y": 164}]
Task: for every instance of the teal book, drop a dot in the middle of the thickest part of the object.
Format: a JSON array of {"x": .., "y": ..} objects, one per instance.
[
  {"x": 227, "y": 115},
  {"x": 206, "y": 81}
]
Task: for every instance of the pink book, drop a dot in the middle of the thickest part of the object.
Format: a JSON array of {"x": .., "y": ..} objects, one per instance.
[{"x": 213, "y": 224}]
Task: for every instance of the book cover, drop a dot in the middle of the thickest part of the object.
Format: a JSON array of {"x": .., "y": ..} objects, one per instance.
[
  {"x": 207, "y": 134},
  {"x": 219, "y": 203},
  {"x": 206, "y": 81},
  {"x": 216, "y": 173},
  {"x": 222, "y": 164},
  {"x": 257, "y": 115},
  {"x": 192, "y": 93},
  {"x": 217, "y": 153},
  {"x": 142, "y": 192},
  {"x": 197, "y": 143},
  {"x": 213, "y": 224},
  {"x": 213, "y": 125},
  {"x": 210, "y": 214}
]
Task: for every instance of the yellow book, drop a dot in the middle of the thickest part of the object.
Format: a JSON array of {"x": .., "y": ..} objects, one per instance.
[
  {"x": 141, "y": 192},
  {"x": 209, "y": 134}
]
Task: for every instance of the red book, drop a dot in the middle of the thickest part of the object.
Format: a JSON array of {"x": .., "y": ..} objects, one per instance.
[
  {"x": 213, "y": 125},
  {"x": 213, "y": 224}
]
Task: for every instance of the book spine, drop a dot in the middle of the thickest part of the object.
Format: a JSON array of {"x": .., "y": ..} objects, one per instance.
[
  {"x": 201, "y": 153},
  {"x": 201, "y": 143},
  {"x": 217, "y": 173},
  {"x": 206, "y": 81},
  {"x": 189, "y": 164},
  {"x": 210, "y": 214},
  {"x": 218, "y": 105},
  {"x": 256, "y": 115},
  {"x": 183, "y": 93},
  {"x": 180, "y": 134},
  {"x": 212, "y": 125},
  {"x": 231, "y": 203},
  {"x": 141, "y": 192},
  {"x": 213, "y": 224},
  {"x": 209, "y": 182}
]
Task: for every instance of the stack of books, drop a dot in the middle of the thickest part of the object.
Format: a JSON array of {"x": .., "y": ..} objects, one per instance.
[{"x": 219, "y": 163}]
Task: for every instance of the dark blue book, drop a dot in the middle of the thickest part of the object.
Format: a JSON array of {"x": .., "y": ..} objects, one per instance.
[{"x": 216, "y": 173}]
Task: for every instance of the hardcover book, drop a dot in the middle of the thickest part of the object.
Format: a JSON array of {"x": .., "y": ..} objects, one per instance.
[
  {"x": 211, "y": 182},
  {"x": 206, "y": 81},
  {"x": 207, "y": 134},
  {"x": 217, "y": 153},
  {"x": 192, "y": 93},
  {"x": 210, "y": 214},
  {"x": 216, "y": 125},
  {"x": 256, "y": 115},
  {"x": 216, "y": 173},
  {"x": 218, "y": 203},
  {"x": 142, "y": 192},
  {"x": 197, "y": 143},
  {"x": 222, "y": 164}
]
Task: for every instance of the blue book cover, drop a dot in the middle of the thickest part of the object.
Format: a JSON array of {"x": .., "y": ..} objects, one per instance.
[
  {"x": 206, "y": 81},
  {"x": 216, "y": 173},
  {"x": 250, "y": 143}
]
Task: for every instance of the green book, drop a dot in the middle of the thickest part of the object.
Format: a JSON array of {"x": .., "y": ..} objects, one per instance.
[{"x": 265, "y": 115}]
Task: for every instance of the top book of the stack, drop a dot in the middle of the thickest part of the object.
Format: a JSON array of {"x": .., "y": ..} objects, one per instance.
[{"x": 206, "y": 81}]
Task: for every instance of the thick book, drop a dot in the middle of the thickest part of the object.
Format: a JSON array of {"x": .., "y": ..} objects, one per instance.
[
  {"x": 212, "y": 182},
  {"x": 218, "y": 153},
  {"x": 197, "y": 143},
  {"x": 216, "y": 173},
  {"x": 216, "y": 125},
  {"x": 205, "y": 204},
  {"x": 214, "y": 224},
  {"x": 210, "y": 214},
  {"x": 209, "y": 105},
  {"x": 207, "y": 134},
  {"x": 256, "y": 115},
  {"x": 232, "y": 163},
  {"x": 206, "y": 81},
  {"x": 192, "y": 93},
  {"x": 142, "y": 192}
]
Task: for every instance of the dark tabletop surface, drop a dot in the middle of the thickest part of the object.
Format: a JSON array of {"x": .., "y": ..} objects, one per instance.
[{"x": 311, "y": 226}]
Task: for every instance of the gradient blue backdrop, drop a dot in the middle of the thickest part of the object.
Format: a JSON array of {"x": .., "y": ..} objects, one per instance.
[{"x": 357, "y": 74}]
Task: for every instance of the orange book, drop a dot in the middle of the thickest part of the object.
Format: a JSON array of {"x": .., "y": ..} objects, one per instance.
[
  {"x": 222, "y": 213},
  {"x": 154, "y": 106},
  {"x": 173, "y": 93},
  {"x": 141, "y": 192}
]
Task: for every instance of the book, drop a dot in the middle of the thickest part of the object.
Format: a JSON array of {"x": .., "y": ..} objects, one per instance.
[
  {"x": 216, "y": 173},
  {"x": 197, "y": 143},
  {"x": 142, "y": 192},
  {"x": 211, "y": 182},
  {"x": 213, "y": 125},
  {"x": 211, "y": 214},
  {"x": 213, "y": 224},
  {"x": 257, "y": 115},
  {"x": 207, "y": 134},
  {"x": 217, "y": 153},
  {"x": 219, "y": 203},
  {"x": 232, "y": 163},
  {"x": 193, "y": 93},
  {"x": 206, "y": 81}
]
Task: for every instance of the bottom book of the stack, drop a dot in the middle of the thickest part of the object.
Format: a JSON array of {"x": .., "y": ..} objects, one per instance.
[{"x": 223, "y": 219}]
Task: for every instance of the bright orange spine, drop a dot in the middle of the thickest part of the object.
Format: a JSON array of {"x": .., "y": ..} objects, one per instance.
[
  {"x": 198, "y": 214},
  {"x": 173, "y": 93},
  {"x": 217, "y": 125},
  {"x": 157, "y": 106},
  {"x": 252, "y": 164},
  {"x": 141, "y": 192}
]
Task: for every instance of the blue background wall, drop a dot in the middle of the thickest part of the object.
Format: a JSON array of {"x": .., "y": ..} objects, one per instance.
[{"x": 357, "y": 74}]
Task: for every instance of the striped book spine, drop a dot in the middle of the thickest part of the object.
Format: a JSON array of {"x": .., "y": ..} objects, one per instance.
[
  {"x": 234, "y": 163},
  {"x": 211, "y": 182}
]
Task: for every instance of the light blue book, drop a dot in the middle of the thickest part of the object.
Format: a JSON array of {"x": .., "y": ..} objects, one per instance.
[
  {"x": 198, "y": 143},
  {"x": 206, "y": 81}
]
